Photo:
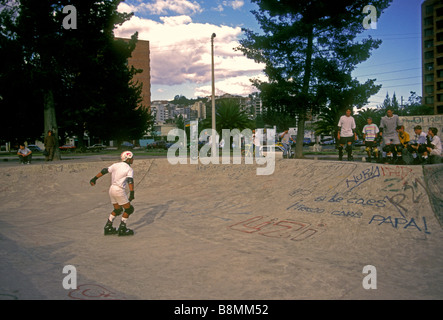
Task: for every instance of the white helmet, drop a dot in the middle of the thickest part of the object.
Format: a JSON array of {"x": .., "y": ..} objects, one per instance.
[{"x": 126, "y": 155}]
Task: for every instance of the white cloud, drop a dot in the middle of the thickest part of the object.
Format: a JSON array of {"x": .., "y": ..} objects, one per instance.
[
  {"x": 181, "y": 53},
  {"x": 159, "y": 7},
  {"x": 236, "y": 4},
  {"x": 240, "y": 85}
]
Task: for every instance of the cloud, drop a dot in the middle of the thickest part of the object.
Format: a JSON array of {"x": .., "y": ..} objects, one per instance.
[
  {"x": 240, "y": 85},
  {"x": 181, "y": 53},
  {"x": 160, "y": 7},
  {"x": 236, "y": 4}
]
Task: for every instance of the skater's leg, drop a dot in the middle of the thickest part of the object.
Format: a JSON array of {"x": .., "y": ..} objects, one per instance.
[
  {"x": 109, "y": 229},
  {"x": 122, "y": 230},
  {"x": 349, "y": 151}
]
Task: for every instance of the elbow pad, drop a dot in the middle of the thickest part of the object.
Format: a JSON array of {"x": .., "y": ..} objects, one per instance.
[
  {"x": 104, "y": 171},
  {"x": 130, "y": 181}
]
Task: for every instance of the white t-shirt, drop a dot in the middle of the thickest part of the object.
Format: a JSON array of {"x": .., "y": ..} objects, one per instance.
[
  {"x": 120, "y": 171},
  {"x": 257, "y": 139},
  {"x": 389, "y": 125},
  {"x": 347, "y": 124},
  {"x": 24, "y": 151},
  {"x": 438, "y": 148}
]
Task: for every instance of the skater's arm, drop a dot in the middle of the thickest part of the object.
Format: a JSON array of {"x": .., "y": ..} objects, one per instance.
[
  {"x": 131, "y": 188},
  {"x": 98, "y": 175}
]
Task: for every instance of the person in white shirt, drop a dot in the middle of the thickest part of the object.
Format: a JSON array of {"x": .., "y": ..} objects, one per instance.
[
  {"x": 122, "y": 174},
  {"x": 433, "y": 147},
  {"x": 417, "y": 145},
  {"x": 24, "y": 154},
  {"x": 285, "y": 136},
  {"x": 388, "y": 131},
  {"x": 256, "y": 137},
  {"x": 346, "y": 134},
  {"x": 370, "y": 133}
]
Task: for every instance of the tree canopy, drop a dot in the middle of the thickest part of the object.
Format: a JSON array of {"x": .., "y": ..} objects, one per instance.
[
  {"x": 76, "y": 80},
  {"x": 309, "y": 49}
]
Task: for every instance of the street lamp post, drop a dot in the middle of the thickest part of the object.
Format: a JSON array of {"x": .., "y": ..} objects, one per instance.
[{"x": 213, "y": 148}]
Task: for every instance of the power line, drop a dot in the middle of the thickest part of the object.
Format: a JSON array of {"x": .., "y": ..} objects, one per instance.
[
  {"x": 402, "y": 85},
  {"x": 372, "y": 74},
  {"x": 383, "y": 64},
  {"x": 399, "y": 79}
]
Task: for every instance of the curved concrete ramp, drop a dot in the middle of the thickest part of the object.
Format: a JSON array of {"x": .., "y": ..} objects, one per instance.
[{"x": 308, "y": 231}]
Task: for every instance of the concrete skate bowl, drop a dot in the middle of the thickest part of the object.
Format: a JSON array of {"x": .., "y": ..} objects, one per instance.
[{"x": 224, "y": 232}]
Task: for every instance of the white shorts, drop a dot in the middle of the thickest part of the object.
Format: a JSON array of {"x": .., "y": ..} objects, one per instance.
[
  {"x": 387, "y": 139},
  {"x": 118, "y": 195}
]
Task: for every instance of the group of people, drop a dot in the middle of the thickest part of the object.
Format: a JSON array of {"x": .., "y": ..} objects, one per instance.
[
  {"x": 25, "y": 154},
  {"x": 394, "y": 142}
]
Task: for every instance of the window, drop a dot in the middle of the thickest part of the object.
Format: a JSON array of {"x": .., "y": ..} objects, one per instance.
[
  {"x": 429, "y": 100},
  {"x": 429, "y": 9},
  {"x": 429, "y": 32},
  {"x": 429, "y": 43},
  {"x": 429, "y": 66},
  {"x": 429, "y": 77},
  {"x": 429, "y": 54},
  {"x": 429, "y": 21},
  {"x": 429, "y": 89}
]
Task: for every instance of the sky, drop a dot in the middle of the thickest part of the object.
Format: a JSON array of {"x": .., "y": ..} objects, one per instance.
[{"x": 179, "y": 32}]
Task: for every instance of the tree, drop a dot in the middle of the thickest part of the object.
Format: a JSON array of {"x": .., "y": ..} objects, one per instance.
[
  {"x": 79, "y": 78},
  {"x": 309, "y": 51},
  {"x": 228, "y": 116}
]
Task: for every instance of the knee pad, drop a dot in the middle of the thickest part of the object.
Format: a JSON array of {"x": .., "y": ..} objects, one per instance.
[
  {"x": 349, "y": 148},
  {"x": 368, "y": 149},
  {"x": 118, "y": 212},
  {"x": 130, "y": 210},
  {"x": 340, "y": 148}
]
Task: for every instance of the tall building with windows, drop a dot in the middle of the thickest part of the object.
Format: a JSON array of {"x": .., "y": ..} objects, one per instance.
[
  {"x": 432, "y": 54},
  {"x": 140, "y": 59}
]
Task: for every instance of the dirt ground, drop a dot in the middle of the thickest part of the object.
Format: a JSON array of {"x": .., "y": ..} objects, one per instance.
[{"x": 223, "y": 232}]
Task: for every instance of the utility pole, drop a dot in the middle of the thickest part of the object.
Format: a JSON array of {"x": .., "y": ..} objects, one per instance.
[{"x": 213, "y": 146}]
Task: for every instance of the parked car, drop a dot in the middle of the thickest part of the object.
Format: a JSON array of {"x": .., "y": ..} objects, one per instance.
[
  {"x": 161, "y": 144},
  {"x": 359, "y": 143},
  {"x": 328, "y": 141},
  {"x": 127, "y": 145},
  {"x": 67, "y": 147},
  {"x": 97, "y": 147},
  {"x": 34, "y": 148}
]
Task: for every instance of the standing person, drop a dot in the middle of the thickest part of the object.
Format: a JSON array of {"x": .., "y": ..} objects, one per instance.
[
  {"x": 24, "y": 154},
  {"x": 285, "y": 136},
  {"x": 256, "y": 140},
  {"x": 122, "y": 173},
  {"x": 388, "y": 131},
  {"x": 370, "y": 132},
  {"x": 49, "y": 146},
  {"x": 346, "y": 134}
]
